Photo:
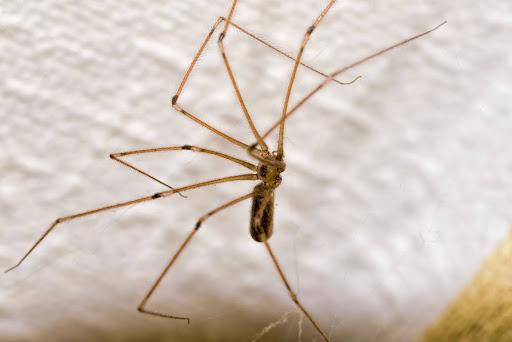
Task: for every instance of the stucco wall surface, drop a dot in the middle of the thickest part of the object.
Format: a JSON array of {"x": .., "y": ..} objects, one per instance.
[{"x": 397, "y": 187}]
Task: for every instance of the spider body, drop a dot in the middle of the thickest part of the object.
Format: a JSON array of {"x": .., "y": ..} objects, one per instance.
[{"x": 262, "y": 209}]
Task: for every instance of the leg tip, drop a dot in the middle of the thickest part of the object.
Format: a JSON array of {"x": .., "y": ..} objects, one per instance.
[{"x": 10, "y": 269}]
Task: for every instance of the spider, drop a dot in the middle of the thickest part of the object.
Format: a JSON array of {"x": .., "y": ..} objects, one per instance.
[{"x": 267, "y": 168}]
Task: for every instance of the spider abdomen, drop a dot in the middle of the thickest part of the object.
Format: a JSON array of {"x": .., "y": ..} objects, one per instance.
[{"x": 262, "y": 214}]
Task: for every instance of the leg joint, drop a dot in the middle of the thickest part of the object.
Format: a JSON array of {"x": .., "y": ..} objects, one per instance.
[
  {"x": 294, "y": 298},
  {"x": 198, "y": 225}
]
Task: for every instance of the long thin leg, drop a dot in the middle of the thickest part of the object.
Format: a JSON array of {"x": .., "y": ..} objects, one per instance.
[
  {"x": 139, "y": 200},
  {"x": 338, "y": 72},
  {"x": 175, "y": 104},
  {"x": 116, "y": 156},
  {"x": 177, "y": 107},
  {"x": 219, "y": 20},
  {"x": 290, "y": 292},
  {"x": 182, "y": 247},
  {"x": 280, "y": 151},
  {"x": 220, "y": 42},
  {"x": 285, "y": 54},
  {"x": 194, "y": 61},
  {"x": 204, "y": 124}
]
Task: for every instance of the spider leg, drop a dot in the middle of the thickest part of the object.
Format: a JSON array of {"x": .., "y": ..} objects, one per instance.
[
  {"x": 280, "y": 151},
  {"x": 252, "y": 35},
  {"x": 177, "y": 107},
  {"x": 290, "y": 291},
  {"x": 338, "y": 72},
  {"x": 117, "y": 156},
  {"x": 138, "y": 200},
  {"x": 198, "y": 224},
  {"x": 220, "y": 42}
]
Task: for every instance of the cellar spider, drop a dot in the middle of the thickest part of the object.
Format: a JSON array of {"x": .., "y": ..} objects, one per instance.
[{"x": 270, "y": 164}]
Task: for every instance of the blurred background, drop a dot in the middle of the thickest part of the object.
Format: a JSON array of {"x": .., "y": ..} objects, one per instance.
[{"x": 396, "y": 189}]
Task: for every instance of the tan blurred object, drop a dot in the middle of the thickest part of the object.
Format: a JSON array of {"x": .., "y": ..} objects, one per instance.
[{"x": 483, "y": 311}]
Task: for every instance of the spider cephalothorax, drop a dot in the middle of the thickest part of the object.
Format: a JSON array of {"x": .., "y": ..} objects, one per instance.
[{"x": 269, "y": 169}]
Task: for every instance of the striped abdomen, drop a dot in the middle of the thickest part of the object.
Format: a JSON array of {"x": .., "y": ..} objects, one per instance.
[{"x": 262, "y": 214}]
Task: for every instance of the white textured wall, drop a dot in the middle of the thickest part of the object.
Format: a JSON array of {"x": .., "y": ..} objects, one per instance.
[{"x": 396, "y": 188}]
